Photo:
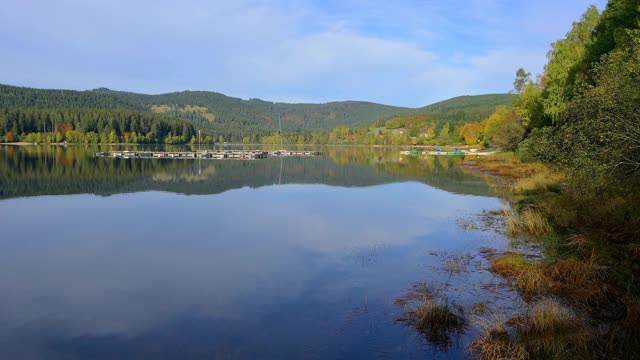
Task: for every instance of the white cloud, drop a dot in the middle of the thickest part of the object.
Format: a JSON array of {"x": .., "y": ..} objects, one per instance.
[{"x": 406, "y": 53}]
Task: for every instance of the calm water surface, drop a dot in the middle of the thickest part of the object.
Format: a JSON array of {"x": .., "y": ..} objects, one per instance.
[{"x": 267, "y": 259}]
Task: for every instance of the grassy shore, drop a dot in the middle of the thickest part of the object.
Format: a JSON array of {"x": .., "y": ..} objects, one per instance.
[{"x": 583, "y": 293}]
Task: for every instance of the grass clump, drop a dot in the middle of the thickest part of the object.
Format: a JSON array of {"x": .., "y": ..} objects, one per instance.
[
  {"x": 582, "y": 282},
  {"x": 549, "y": 331},
  {"x": 527, "y": 277},
  {"x": 507, "y": 164},
  {"x": 552, "y": 331},
  {"x": 589, "y": 233},
  {"x": 527, "y": 222},
  {"x": 437, "y": 320},
  {"x": 430, "y": 314},
  {"x": 496, "y": 343},
  {"x": 543, "y": 181}
]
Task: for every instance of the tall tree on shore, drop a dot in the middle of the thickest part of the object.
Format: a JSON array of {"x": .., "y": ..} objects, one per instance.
[
  {"x": 564, "y": 58},
  {"x": 523, "y": 79}
]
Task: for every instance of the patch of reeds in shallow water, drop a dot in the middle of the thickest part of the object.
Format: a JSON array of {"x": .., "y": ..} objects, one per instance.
[
  {"x": 527, "y": 222},
  {"x": 431, "y": 315},
  {"x": 549, "y": 331}
]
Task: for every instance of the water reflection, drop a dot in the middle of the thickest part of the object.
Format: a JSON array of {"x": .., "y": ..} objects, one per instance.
[
  {"x": 31, "y": 171},
  {"x": 259, "y": 272}
]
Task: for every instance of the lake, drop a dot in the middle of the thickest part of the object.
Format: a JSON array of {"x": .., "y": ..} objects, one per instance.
[{"x": 304, "y": 258}]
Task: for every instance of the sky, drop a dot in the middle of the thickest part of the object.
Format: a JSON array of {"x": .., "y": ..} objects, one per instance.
[{"x": 404, "y": 53}]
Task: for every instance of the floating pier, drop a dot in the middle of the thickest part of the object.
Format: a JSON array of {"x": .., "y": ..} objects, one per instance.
[
  {"x": 206, "y": 154},
  {"x": 459, "y": 153}
]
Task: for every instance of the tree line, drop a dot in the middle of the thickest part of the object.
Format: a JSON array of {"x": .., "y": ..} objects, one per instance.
[
  {"x": 236, "y": 120},
  {"x": 92, "y": 126}
]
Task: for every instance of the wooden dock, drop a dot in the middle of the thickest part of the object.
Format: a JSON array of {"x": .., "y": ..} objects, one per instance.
[
  {"x": 206, "y": 154},
  {"x": 459, "y": 153}
]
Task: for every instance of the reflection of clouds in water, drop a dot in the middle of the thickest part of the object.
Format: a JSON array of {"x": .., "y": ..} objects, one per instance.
[{"x": 127, "y": 263}]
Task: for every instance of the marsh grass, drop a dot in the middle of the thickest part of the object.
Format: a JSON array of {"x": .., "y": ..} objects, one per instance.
[
  {"x": 427, "y": 311},
  {"x": 552, "y": 331},
  {"x": 507, "y": 164},
  {"x": 495, "y": 341},
  {"x": 548, "y": 331},
  {"x": 527, "y": 277},
  {"x": 582, "y": 282},
  {"x": 589, "y": 237},
  {"x": 437, "y": 320},
  {"x": 420, "y": 292},
  {"x": 455, "y": 263},
  {"x": 517, "y": 177},
  {"x": 542, "y": 181},
  {"x": 527, "y": 222}
]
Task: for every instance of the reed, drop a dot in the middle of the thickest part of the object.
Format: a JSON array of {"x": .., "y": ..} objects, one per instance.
[
  {"x": 527, "y": 222},
  {"x": 495, "y": 342},
  {"x": 528, "y": 278},
  {"x": 552, "y": 331}
]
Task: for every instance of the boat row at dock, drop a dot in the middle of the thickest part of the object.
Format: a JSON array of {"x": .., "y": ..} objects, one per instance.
[
  {"x": 206, "y": 154},
  {"x": 457, "y": 152}
]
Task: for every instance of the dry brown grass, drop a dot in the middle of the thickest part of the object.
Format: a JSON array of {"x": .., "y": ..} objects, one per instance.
[
  {"x": 426, "y": 310},
  {"x": 542, "y": 181},
  {"x": 437, "y": 320},
  {"x": 527, "y": 222},
  {"x": 548, "y": 331},
  {"x": 528, "y": 278},
  {"x": 552, "y": 331},
  {"x": 517, "y": 177},
  {"x": 508, "y": 165},
  {"x": 581, "y": 281},
  {"x": 495, "y": 343}
]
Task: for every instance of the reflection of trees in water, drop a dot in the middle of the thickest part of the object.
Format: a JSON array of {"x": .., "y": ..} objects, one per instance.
[{"x": 39, "y": 170}]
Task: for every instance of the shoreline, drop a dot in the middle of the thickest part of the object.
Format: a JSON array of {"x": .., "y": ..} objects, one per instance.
[
  {"x": 567, "y": 284},
  {"x": 460, "y": 147}
]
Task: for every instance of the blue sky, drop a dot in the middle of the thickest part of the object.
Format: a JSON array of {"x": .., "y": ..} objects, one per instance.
[{"x": 406, "y": 53}]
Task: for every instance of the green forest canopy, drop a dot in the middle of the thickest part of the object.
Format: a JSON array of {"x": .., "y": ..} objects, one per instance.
[{"x": 234, "y": 119}]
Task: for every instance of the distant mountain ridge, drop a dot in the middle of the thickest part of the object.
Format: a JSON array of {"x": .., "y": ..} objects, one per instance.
[{"x": 234, "y": 117}]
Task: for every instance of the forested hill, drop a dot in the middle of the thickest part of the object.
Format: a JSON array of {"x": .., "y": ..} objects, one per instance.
[
  {"x": 20, "y": 97},
  {"x": 235, "y": 118},
  {"x": 259, "y": 117},
  {"x": 469, "y": 102},
  {"x": 465, "y": 109}
]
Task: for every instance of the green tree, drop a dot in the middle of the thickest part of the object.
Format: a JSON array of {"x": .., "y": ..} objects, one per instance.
[
  {"x": 530, "y": 107},
  {"x": 444, "y": 132},
  {"x": 565, "y": 56},
  {"x": 504, "y": 128},
  {"x": 523, "y": 79}
]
